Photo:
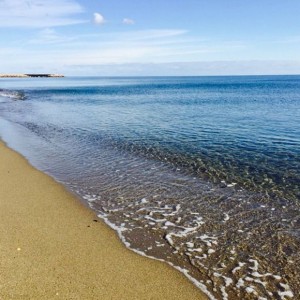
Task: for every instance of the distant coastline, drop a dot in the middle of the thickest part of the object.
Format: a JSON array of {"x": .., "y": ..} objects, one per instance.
[{"x": 31, "y": 75}]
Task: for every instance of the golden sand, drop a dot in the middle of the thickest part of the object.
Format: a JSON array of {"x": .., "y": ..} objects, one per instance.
[{"x": 50, "y": 247}]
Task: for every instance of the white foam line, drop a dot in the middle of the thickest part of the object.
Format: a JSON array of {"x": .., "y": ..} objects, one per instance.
[
  {"x": 177, "y": 209},
  {"x": 228, "y": 281},
  {"x": 223, "y": 291},
  {"x": 199, "y": 250},
  {"x": 159, "y": 210},
  {"x": 115, "y": 210},
  {"x": 238, "y": 268},
  {"x": 186, "y": 231},
  {"x": 240, "y": 283},
  {"x": 198, "y": 284},
  {"x": 264, "y": 284},
  {"x": 155, "y": 220},
  {"x": 226, "y": 218},
  {"x": 190, "y": 245},
  {"x": 251, "y": 290},
  {"x": 168, "y": 223},
  {"x": 287, "y": 293},
  {"x": 208, "y": 240},
  {"x": 255, "y": 267}
]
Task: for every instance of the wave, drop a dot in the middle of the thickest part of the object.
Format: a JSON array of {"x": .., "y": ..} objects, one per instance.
[{"x": 15, "y": 95}]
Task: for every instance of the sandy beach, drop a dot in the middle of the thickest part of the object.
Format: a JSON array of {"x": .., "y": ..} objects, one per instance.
[{"x": 52, "y": 247}]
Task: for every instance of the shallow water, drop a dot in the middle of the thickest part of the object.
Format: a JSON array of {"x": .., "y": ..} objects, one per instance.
[{"x": 202, "y": 172}]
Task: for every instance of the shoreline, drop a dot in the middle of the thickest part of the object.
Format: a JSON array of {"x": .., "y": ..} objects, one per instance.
[{"x": 53, "y": 247}]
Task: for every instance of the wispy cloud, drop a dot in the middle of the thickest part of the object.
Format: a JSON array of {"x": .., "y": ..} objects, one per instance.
[
  {"x": 195, "y": 68},
  {"x": 140, "y": 46},
  {"x": 153, "y": 34},
  {"x": 98, "y": 19},
  {"x": 39, "y": 13},
  {"x": 128, "y": 21},
  {"x": 133, "y": 46},
  {"x": 50, "y": 36}
]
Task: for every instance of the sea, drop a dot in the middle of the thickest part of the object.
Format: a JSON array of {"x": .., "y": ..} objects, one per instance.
[{"x": 200, "y": 172}]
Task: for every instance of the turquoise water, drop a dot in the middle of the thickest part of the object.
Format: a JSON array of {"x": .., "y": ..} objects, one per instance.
[{"x": 177, "y": 164}]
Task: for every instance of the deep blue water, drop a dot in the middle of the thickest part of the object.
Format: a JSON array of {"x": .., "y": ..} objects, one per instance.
[
  {"x": 241, "y": 129},
  {"x": 237, "y": 131}
]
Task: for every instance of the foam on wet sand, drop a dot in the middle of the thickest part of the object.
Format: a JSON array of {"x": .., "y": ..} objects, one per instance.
[{"x": 52, "y": 247}]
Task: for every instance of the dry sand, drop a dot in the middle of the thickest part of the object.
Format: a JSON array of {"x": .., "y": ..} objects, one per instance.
[{"x": 50, "y": 247}]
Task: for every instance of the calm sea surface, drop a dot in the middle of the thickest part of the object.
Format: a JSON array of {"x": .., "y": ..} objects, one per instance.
[{"x": 201, "y": 172}]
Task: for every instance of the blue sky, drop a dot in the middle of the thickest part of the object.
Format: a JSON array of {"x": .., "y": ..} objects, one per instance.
[{"x": 150, "y": 37}]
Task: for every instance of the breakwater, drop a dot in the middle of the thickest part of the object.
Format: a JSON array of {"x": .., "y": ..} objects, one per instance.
[{"x": 31, "y": 75}]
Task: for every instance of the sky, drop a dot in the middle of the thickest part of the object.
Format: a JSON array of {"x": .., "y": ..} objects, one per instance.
[{"x": 150, "y": 37}]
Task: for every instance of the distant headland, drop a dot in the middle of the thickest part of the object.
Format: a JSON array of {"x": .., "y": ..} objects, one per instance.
[{"x": 30, "y": 75}]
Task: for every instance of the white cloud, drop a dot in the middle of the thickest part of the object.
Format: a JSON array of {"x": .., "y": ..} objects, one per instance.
[
  {"x": 98, "y": 19},
  {"x": 39, "y": 13},
  {"x": 128, "y": 21}
]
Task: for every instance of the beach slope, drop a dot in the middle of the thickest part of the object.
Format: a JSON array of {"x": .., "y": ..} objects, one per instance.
[{"x": 51, "y": 246}]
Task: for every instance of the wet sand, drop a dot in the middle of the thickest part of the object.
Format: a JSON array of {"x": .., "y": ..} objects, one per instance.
[{"x": 51, "y": 246}]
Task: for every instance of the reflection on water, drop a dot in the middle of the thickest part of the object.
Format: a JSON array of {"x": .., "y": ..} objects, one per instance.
[{"x": 200, "y": 172}]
